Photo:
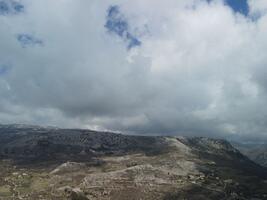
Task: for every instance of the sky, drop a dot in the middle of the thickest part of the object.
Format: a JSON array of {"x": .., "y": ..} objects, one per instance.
[{"x": 187, "y": 67}]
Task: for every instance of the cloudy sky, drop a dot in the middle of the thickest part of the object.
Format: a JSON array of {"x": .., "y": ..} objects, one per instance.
[{"x": 187, "y": 67}]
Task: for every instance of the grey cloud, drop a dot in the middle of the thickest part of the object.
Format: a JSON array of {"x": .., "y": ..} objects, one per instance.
[{"x": 198, "y": 71}]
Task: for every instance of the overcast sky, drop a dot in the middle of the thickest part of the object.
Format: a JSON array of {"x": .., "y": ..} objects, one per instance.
[{"x": 187, "y": 67}]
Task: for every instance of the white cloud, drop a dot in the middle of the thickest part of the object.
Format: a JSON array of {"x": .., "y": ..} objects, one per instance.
[
  {"x": 258, "y": 7},
  {"x": 200, "y": 69}
]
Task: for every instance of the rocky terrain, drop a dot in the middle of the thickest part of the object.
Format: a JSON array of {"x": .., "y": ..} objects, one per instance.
[
  {"x": 255, "y": 151},
  {"x": 56, "y": 164}
]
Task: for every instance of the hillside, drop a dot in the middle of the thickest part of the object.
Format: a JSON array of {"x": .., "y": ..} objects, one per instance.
[
  {"x": 255, "y": 151},
  {"x": 52, "y": 163}
]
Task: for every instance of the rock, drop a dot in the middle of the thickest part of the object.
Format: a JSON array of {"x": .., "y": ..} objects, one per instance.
[
  {"x": 74, "y": 193},
  {"x": 190, "y": 177},
  {"x": 15, "y": 174},
  {"x": 228, "y": 181},
  {"x": 234, "y": 195},
  {"x": 77, "y": 195},
  {"x": 132, "y": 164},
  {"x": 68, "y": 167}
]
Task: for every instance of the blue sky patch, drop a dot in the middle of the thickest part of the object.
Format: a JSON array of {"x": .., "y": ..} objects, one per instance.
[
  {"x": 9, "y": 7},
  {"x": 132, "y": 41},
  {"x": 27, "y": 40},
  {"x": 240, "y": 6},
  {"x": 18, "y": 7},
  {"x": 4, "y": 8},
  {"x": 4, "y": 69},
  {"x": 116, "y": 23}
]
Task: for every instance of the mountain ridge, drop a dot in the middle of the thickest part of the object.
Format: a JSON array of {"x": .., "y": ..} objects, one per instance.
[{"x": 53, "y": 163}]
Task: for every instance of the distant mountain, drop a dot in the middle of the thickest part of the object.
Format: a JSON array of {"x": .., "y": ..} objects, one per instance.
[
  {"x": 255, "y": 151},
  {"x": 52, "y": 163},
  {"x": 25, "y": 126}
]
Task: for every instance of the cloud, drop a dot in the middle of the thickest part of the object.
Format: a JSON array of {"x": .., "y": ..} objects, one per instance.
[
  {"x": 258, "y": 8},
  {"x": 196, "y": 68}
]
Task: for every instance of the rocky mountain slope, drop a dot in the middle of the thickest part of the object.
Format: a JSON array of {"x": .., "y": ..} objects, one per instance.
[
  {"x": 255, "y": 151},
  {"x": 51, "y": 163}
]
